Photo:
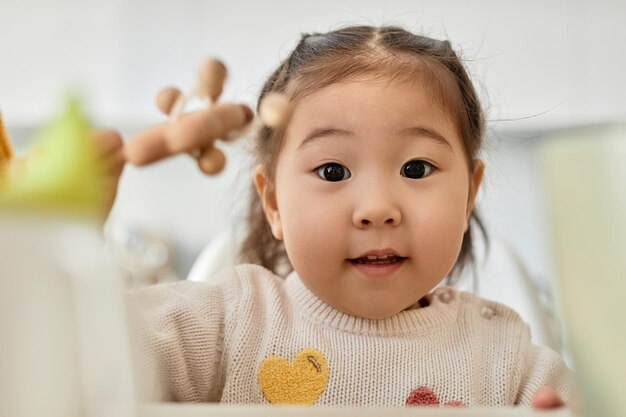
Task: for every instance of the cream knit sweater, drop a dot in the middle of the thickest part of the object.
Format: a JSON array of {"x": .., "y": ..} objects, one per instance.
[{"x": 260, "y": 338}]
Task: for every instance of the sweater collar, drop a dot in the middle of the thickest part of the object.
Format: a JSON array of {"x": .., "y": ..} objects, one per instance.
[{"x": 441, "y": 311}]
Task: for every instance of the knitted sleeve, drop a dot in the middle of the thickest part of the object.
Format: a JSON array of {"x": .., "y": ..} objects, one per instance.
[
  {"x": 177, "y": 332},
  {"x": 543, "y": 367}
]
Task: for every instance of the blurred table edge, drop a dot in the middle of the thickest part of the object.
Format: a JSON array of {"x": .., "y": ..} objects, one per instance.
[{"x": 207, "y": 410}]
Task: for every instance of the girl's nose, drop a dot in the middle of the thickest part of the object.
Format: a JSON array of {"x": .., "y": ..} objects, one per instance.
[{"x": 376, "y": 213}]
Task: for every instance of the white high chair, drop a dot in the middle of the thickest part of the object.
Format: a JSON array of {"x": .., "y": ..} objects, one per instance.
[{"x": 502, "y": 277}]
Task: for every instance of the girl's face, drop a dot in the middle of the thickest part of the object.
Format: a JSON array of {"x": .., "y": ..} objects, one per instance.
[{"x": 372, "y": 195}]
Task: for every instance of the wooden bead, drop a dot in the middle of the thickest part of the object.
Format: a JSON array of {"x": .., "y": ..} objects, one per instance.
[
  {"x": 211, "y": 79},
  {"x": 275, "y": 110},
  {"x": 167, "y": 98},
  {"x": 212, "y": 161}
]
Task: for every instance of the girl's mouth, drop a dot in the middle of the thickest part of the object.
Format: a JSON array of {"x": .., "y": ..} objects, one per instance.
[
  {"x": 385, "y": 259},
  {"x": 378, "y": 266}
]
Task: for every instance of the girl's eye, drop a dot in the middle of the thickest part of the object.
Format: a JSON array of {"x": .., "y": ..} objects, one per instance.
[
  {"x": 332, "y": 172},
  {"x": 417, "y": 169}
]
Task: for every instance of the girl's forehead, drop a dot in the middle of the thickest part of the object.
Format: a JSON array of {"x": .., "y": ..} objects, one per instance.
[
  {"x": 369, "y": 100},
  {"x": 377, "y": 108}
]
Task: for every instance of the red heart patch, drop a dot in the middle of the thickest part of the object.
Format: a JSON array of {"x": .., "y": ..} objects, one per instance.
[{"x": 425, "y": 397}]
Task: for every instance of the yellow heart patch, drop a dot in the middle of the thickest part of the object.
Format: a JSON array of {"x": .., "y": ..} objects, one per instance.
[{"x": 301, "y": 382}]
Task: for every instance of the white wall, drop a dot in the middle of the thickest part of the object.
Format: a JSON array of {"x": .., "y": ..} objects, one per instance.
[{"x": 560, "y": 60}]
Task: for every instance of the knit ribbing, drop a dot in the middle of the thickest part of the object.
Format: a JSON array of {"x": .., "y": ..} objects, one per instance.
[{"x": 415, "y": 322}]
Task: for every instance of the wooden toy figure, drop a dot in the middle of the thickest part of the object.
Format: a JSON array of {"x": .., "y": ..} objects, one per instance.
[
  {"x": 6, "y": 150},
  {"x": 195, "y": 132}
]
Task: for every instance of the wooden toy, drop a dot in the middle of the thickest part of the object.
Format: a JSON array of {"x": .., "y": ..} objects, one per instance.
[
  {"x": 6, "y": 150},
  {"x": 195, "y": 132},
  {"x": 12, "y": 166}
]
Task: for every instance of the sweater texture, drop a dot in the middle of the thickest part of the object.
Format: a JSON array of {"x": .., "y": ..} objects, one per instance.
[{"x": 258, "y": 338}]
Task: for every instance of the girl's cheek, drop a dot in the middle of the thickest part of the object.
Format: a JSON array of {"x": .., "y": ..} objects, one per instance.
[{"x": 442, "y": 225}]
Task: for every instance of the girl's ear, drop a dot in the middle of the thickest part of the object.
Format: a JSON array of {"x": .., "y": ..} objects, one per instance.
[
  {"x": 475, "y": 181},
  {"x": 267, "y": 194}
]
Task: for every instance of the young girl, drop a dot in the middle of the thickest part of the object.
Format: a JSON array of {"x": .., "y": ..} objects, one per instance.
[{"x": 367, "y": 197}]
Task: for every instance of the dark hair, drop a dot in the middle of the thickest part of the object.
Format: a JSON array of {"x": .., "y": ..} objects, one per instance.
[{"x": 320, "y": 60}]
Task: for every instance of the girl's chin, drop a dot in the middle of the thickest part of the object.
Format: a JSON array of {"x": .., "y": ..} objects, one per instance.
[{"x": 373, "y": 312}]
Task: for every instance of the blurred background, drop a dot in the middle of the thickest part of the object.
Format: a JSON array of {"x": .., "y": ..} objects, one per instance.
[{"x": 540, "y": 66}]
